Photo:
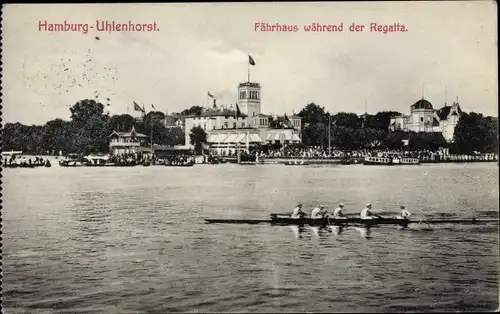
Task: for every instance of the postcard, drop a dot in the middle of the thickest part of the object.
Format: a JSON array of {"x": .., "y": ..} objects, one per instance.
[{"x": 250, "y": 157}]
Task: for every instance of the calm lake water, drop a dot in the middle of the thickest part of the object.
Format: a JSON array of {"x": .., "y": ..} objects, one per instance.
[{"x": 133, "y": 240}]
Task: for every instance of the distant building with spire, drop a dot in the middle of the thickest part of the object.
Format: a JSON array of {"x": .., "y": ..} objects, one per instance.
[{"x": 424, "y": 118}]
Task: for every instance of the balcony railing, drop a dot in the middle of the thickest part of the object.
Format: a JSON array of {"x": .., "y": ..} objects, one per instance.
[{"x": 124, "y": 143}]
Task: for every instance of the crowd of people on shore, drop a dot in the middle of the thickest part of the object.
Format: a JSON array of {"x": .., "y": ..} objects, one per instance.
[
  {"x": 177, "y": 160},
  {"x": 321, "y": 153},
  {"x": 24, "y": 162}
]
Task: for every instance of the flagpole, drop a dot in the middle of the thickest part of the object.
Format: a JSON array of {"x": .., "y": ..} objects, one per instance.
[
  {"x": 248, "y": 68},
  {"x": 151, "y": 139},
  {"x": 329, "y": 136}
]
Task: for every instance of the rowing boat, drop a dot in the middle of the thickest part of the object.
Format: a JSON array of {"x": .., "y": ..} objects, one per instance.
[{"x": 287, "y": 220}]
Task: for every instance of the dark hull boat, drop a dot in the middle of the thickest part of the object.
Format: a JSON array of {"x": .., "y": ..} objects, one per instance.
[
  {"x": 277, "y": 219},
  {"x": 180, "y": 165}
]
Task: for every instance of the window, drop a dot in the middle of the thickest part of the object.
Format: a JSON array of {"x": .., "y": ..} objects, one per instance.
[
  {"x": 234, "y": 125},
  {"x": 226, "y": 125},
  {"x": 204, "y": 126},
  {"x": 421, "y": 119},
  {"x": 242, "y": 124}
]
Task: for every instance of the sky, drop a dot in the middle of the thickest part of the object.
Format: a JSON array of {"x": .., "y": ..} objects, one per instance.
[{"x": 449, "y": 50}]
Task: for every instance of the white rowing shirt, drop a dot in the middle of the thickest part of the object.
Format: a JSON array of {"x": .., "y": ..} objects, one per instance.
[
  {"x": 316, "y": 213},
  {"x": 338, "y": 213},
  {"x": 296, "y": 212},
  {"x": 404, "y": 214},
  {"x": 366, "y": 213}
]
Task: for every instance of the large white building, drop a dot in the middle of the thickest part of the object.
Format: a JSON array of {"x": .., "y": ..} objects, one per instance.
[
  {"x": 424, "y": 118},
  {"x": 227, "y": 132}
]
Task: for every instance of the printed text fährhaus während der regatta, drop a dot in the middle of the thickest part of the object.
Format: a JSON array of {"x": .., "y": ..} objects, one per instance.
[{"x": 99, "y": 25}]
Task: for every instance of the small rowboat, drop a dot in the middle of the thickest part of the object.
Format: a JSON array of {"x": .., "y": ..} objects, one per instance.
[{"x": 296, "y": 163}]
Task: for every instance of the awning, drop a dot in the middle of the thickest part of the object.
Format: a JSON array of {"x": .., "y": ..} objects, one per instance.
[
  {"x": 255, "y": 138},
  {"x": 211, "y": 138},
  {"x": 295, "y": 138},
  {"x": 240, "y": 138},
  {"x": 221, "y": 138},
  {"x": 269, "y": 136},
  {"x": 288, "y": 137},
  {"x": 231, "y": 138},
  {"x": 276, "y": 137}
]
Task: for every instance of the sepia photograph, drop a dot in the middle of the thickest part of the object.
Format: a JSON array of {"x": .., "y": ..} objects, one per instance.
[{"x": 286, "y": 157}]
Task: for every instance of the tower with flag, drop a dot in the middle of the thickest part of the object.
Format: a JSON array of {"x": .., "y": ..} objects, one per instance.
[{"x": 244, "y": 125}]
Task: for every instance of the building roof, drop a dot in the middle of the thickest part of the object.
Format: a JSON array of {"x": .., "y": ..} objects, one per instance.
[
  {"x": 295, "y": 116},
  {"x": 445, "y": 111},
  {"x": 215, "y": 113},
  {"x": 422, "y": 104},
  {"x": 249, "y": 84},
  {"x": 132, "y": 133}
]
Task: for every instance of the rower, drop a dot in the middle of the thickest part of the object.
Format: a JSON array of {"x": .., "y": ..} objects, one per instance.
[
  {"x": 297, "y": 212},
  {"x": 319, "y": 212},
  {"x": 366, "y": 213},
  {"x": 338, "y": 212},
  {"x": 404, "y": 213}
]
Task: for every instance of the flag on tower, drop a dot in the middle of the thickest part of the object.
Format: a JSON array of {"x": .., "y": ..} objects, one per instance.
[
  {"x": 251, "y": 60},
  {"x": 405, "y": 142},
  {"x": 210, "y": 95},
  {"x": 152, "y": 106}
]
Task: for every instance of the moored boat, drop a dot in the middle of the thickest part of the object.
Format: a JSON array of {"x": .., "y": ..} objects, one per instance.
[
  {"x": 410, "y": 161},
  {"x": 188, "y": 164},
  {"x": 296, "y": 163},
  {"x": 378, "y": 161}
]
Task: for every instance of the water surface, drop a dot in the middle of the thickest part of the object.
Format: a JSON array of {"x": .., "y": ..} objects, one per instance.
[{"x": 134, "y": 240}]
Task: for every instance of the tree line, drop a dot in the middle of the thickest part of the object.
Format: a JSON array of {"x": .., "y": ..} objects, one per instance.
[
  {"x": 89, "y": 128},
  {"x": 348, "y": 131},
  {"x": 87, "y": 131}
]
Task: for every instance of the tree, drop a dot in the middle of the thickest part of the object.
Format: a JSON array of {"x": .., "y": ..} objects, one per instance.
[
  {"x": 198, "y": 137},
  {"x": 313, "y": 114},
  {"x": 86, "y": 109},
  {"x": 348, "y": 120},
  {"x": 121, "y": 123},
  {"x": 169, "y": 136},
  {"x": 381, "y": 120},
  {"x": 475, "y": 133},
  {"x": 57, "y": 136},
  {"x": 194, "y": 110},
  {"x": 315, "y": 135}
]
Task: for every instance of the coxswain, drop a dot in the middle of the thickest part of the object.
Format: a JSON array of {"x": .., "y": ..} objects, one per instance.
[
  {"x": 317, "y": 212},
  {"x": 338, "y": 212},
  {"x": 405, "y": 214},
  {"x": 366, "y": 213},
  {"x": 297, "y": 212}
]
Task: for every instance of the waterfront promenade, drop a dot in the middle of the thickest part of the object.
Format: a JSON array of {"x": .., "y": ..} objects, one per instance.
[{"x": 316, "y": 160}]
